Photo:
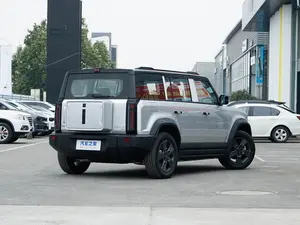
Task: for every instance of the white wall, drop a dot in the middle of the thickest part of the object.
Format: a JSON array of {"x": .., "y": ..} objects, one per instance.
[
  {"x": 280, "y": 55},
  {"x": 5, "y": 69}
]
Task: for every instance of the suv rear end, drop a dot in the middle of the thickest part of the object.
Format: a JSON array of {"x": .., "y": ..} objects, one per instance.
[{"x": 96, "y": 119}]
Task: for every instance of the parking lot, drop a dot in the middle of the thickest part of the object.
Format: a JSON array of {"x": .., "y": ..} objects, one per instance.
[{"x": 30, "y": 177}]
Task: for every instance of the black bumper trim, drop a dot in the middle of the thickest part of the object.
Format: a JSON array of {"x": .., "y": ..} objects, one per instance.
[{"x": 114, "y": 148}]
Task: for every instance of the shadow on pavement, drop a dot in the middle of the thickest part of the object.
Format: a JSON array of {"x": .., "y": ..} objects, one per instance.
[
  {"x": 294, "y": 140},
  {"x": 139, "y": 173}
]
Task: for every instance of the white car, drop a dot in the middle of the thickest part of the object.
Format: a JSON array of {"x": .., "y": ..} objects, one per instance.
[
  {"x": 13, "y": 124},
  {"x": 270, "y": 119}
]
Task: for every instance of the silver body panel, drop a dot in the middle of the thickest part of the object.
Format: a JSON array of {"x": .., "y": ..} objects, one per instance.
[
  {"x": 194, "y": 127},
  {"x": 197, "y": 122}
]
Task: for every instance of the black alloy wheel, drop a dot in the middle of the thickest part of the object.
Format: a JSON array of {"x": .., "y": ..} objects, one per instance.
[
  {"x": 166, "y": 156},
  {"x": 242, "y": 152},
  {"x": 162, "y": 161}
]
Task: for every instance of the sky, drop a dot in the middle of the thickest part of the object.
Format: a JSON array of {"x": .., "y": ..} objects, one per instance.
[{"x": 165, "y": 34}]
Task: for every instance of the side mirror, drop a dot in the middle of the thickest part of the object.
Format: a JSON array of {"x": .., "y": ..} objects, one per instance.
[{"x": 223, "y": 99}]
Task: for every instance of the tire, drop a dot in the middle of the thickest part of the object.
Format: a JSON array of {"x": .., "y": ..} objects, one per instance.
[
  {"x": 280, "y": 134},
  {"x": 246, "y": 154},
  {"x": 69, "y": 166},
  {"x": 159, "y": 155},
  {"x": 6, "y": 133},
  {"x": 14, "y": 139}
]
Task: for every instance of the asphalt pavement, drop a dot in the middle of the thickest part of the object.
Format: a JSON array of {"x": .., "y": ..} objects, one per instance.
[{"x": 34, "y": 190}]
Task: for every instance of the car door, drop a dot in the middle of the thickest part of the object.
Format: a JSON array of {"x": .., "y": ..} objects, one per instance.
[
  {"x": 181, "y": 107},
  {"x": 216, "y": 121},
  {"x": 262, "y": 119}
]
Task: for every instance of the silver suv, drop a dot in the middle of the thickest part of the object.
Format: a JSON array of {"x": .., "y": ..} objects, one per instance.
[{"x": 146, "y": 116}]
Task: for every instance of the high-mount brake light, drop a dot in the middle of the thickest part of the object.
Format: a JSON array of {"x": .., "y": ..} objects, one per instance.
[
  {"x": 57, "y": 117},
  {"x": 131, "y": 117}
]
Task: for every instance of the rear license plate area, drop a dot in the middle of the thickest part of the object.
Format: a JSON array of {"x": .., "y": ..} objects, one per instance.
[{"x": 88, "y": 145}]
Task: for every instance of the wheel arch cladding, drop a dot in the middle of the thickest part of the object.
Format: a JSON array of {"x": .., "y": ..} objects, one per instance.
[
  {"x": 8, "y": 122},
  {"x": 240, "y": 124},
  {"x": 245, "y": 127},
  {"x": 168, "y": 126}
]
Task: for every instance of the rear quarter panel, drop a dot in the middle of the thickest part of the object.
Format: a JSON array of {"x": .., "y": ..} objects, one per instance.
[
  {"x": 149, "y": 112},
  {"x": 290, "y": 121}
]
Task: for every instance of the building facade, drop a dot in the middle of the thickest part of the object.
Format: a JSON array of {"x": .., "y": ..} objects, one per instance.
[
  {"x": 219, "y": 74},
  {"x": 244, "y": 62},
  {"x": 5, "y": 68},
  {"x": 114, "y": 55},
  {"x": 281, "y": 19},
  {"x": 207, "y": 69}
]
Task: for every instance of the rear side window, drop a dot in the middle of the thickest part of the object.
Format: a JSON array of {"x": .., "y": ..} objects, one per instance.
[
  {"x": 178, "y": 89},
  {"x": 149, "y": 86},
  {"x": 264, "y": 111},
  {"x": 287, "y": 108},
  {"x": 2, "y": 107},
  {"x": 99, "y": 85}
]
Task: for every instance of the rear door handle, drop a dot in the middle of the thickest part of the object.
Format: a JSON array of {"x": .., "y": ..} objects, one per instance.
[
  {"x": 178, "y": 112},
  {"x": 206, "y": 113}
]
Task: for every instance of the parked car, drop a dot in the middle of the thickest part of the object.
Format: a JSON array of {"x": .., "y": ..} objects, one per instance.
[
  {"x": 50, "y": 117},
  {"x": 42, "y": 104},
  {"x": 146, "y": 116},
  {"x": 270, "y": 119},
  {"x": 40, "y": 126},
  {"x": 13, "y": 123}
]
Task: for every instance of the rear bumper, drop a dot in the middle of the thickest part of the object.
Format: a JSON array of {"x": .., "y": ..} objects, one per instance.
[{"x": 114, "y": 148}]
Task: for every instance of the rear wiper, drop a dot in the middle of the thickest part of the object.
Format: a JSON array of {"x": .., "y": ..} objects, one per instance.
[{"x": 100, "y": 96}]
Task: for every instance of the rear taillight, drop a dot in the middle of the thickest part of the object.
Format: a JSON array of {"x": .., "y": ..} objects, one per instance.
[
  {"x": 57, "y": 117},
  {"x": 298, "y": 117},
  {"x": 131, "y": 117}
]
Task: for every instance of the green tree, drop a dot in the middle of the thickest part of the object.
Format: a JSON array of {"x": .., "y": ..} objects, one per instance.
[
  {"x": 28, "y": 62},
  {"x": 241, "y": 95}
]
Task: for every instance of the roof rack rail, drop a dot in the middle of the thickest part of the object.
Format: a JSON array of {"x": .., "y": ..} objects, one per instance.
[
  {"x": 192, "y": 72},
  {"x": 257, "y": 102},
  {"x": 172, "y": 71},
  {"x": 145, "y": 68},
  {"x": 277, "y": 102}
]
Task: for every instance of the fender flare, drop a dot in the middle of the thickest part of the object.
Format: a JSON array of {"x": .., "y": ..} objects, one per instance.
[
  {"x": 238, "y": 124},
  {"x": 162, "y": 122}
]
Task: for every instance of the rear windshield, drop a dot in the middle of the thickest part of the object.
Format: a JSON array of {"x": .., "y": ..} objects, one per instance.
[
  {"x": 283, "y": 106},
  {"x": 99, "y": 85}
]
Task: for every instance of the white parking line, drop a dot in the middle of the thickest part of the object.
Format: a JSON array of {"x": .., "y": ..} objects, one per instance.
[
  {"x": 23, "y": 146},
  {"x": 260, "y": 159}
]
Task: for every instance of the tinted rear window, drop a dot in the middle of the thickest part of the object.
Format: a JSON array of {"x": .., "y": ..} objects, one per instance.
[
  {"x": 287, "y": 108},
  {"x": 100, "y": 85}
]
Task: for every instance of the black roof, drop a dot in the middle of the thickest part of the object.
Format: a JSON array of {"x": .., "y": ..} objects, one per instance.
[
  {"x": 256, "y": 102},
  {"x": 142, "y": 69}
]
